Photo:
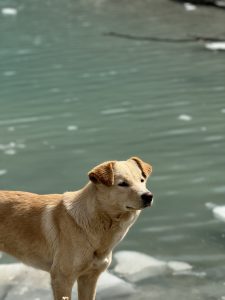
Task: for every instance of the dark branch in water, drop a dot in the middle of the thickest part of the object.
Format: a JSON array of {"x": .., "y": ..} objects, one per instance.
[{"x": 191, "y": 38}]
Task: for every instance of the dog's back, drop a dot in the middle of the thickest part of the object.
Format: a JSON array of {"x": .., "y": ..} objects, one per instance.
[{"x": 21, "y": 225}]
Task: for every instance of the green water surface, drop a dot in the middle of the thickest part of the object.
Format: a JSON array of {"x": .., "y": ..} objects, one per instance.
[{"x": 72, "y": 96}]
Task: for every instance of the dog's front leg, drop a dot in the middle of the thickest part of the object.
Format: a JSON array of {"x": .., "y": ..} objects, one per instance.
[
  {"x": 62, "y": 285},
  {"x": 87, "y": 286}
]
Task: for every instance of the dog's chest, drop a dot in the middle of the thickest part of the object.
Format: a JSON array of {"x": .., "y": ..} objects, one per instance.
[{"x": 115, "y": 233}]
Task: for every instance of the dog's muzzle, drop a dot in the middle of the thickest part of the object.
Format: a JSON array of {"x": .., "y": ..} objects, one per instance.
[{"x": 147, "y": 199}]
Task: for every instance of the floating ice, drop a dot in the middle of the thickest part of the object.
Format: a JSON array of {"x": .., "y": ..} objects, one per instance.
[
  {"x": 189, "y": 7},
  {"x": 135, "y": 266},
  {"x": 181, "y": 131},
  {"x": 113, "y": 111},
  {"x": 216, "y": 46},
  {"x": 111, "y": 285},
  {"x": 185, "y": 117},
  {"x": 3, "y": 172},
  {"x": 10, "y": 148},
  {"x": 179, "y": 267},
  {"x": 218, "y": 211},
  {"x": 25, "y": 283},
  {"x": 9, "y": 11},
  {"x": 72, "y": 127}
]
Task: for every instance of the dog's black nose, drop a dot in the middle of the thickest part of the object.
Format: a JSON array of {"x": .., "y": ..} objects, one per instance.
[{"x": 147, "y": 199}]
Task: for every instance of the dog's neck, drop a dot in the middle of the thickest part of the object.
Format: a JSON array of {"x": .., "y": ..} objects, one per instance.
[
  {"x": 80, "y": 205},
  {"x": 84, "y": 206}
]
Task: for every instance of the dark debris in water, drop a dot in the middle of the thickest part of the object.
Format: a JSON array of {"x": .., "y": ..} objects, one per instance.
[
  {"x": 216, "y": 3},
  {"x": 187, "y": 39}
]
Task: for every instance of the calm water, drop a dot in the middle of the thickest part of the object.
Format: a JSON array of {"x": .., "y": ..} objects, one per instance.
[{"x": 71, "y": 97}]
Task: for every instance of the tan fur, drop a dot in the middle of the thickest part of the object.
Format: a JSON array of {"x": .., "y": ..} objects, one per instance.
[{"x": 72, "y": 235}]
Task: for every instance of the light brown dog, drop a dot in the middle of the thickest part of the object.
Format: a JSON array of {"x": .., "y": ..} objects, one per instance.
[{"x": 72, "y": 235}]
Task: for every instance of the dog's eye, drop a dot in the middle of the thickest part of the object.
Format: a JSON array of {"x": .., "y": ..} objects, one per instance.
[
  {"x": 142, "y": 180},
  {"x": 124, "y": 184}
]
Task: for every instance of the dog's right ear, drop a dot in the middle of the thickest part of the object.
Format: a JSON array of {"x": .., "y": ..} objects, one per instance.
[
  {"x": 146, "y": 168},
  {"x": 103, "y": 173}
]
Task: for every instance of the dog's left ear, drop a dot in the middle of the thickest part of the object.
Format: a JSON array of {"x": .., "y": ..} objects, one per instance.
[
  {"x": 146, "y": 168},
  {"x": 103, "y": 173}
]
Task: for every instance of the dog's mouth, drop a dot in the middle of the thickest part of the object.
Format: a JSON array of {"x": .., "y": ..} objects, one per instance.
[
  {"x": 147, "y": 205},
  {"x": 130, "y": 208}
]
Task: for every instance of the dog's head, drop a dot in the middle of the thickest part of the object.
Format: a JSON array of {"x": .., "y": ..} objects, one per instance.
[{"x": 121, "y": 185}]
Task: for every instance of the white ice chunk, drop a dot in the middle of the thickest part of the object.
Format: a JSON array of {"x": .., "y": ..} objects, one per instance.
[
  {"x": 22, "y": 283},
  {"x": 215, "y": 46},
  {"x": 9, "y": 11},
  {"x": 113, "y": 111},
  {"x": 72, "y": 128},
  {"x": 111, "y": 285},
  {"x": 18, "y": 272},
  {"x": 220, "y": 3},
  {"x": 3, "y": 172},
  {"x": 135, "y": 266},
  {"x": 218, "y": 211},
  {"x": 179, "y": 267},
  {"x": 185, "y": 117},
  {"x": 189, "y": 7}
]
